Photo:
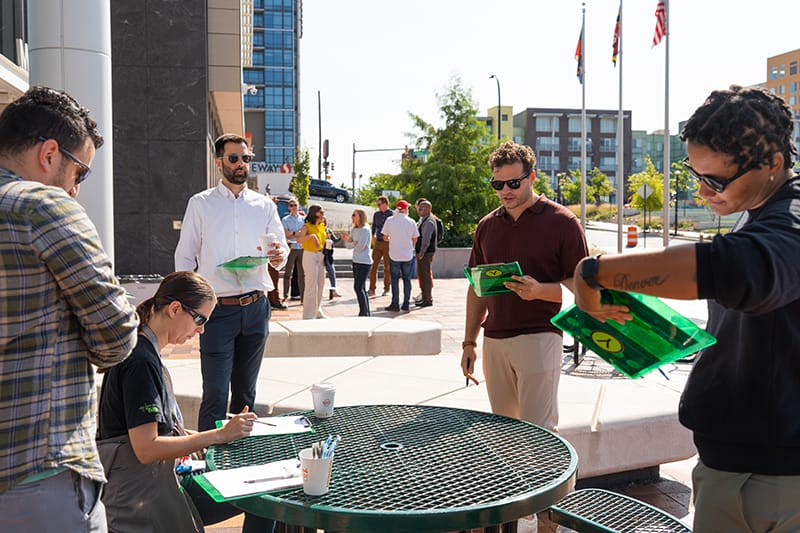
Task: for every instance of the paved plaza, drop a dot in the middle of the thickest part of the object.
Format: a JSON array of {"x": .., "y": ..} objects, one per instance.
[{"x": 437, "y": 379}]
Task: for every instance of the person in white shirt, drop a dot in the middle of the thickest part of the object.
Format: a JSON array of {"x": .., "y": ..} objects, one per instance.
[
  {"x": 402, "y": 234},
  {"x": 221, "y": 224}
]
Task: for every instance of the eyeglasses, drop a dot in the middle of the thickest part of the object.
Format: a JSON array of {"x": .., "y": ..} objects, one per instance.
[
  {"x": 234, "y": 158},
  {"x": 512, "y": 184},
  {"x": 715, "y": 184},
  {"x": 292, "y": 205},
  {"x": 85, "y": 171},
  {"x": 197, "y": 317}
]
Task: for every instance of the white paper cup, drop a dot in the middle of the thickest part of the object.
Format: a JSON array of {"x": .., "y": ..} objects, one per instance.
[
  {"x": 316, "y": 472},
  {"x": 267, "y": 241},
  {"x": 322, "y": 394}
]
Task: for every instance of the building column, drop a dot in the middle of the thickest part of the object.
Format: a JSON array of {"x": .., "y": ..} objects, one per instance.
[{"x": 70, "y": 49}]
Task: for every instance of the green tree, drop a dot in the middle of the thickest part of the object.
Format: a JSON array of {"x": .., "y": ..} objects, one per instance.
[
  {"x": 653, "y": 180},
  {"x": 302, "y": 177},
  {"x": 542, "y": 185},
  {"x": 454, "y": 176},
  {"x": 571, "y": 188},
  {"x": 598, "y": 185}
]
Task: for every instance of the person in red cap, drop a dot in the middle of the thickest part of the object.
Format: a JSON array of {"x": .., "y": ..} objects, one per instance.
[{"x": 402, "y": 234}]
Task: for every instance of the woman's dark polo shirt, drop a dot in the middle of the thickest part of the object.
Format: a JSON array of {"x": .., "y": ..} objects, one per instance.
[{"x": 548, "y": 242}]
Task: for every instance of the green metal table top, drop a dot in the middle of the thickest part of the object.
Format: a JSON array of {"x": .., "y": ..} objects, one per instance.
[{"x": 414, "y": 468}]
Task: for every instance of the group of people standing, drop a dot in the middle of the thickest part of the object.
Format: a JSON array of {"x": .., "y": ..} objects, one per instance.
[
  {"x": 401, "y": 243},
  {"x": 62, "y": 312}
]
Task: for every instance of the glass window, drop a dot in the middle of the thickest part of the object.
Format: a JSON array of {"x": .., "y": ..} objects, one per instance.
[
  {"x": 547, "y": 143},
  {"x": 773, "y": 73},
  {"x": 258, "y": 20},
  {"x": 608, "y": 163},
  {"x": 793, "y": 68},
  {"x": 575, "y": 125},
  {"x": 608, "y": 145},
  {"x": 782, "y": 71},
  {"x": 792, "y": 100},
  {"x": 546, "y": 162},
  {"x": 253, "y": 76},
  {"x": 793, "y": 87},
  {"x": 258, "y": 4},
  {"x": 574, "y": 144},
  {"x": 258, "y": 38},
  {"x": 608, "y": 125},
  {"x": 254, "y": 100},
  {"x": 780, "y": 89},
  {"x": 546, "y": 124}
]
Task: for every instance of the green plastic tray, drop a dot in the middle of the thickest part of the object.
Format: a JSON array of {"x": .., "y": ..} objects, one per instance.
[
  {"x": 487, "y": 280},
  {"x": 656, "y": 336}
]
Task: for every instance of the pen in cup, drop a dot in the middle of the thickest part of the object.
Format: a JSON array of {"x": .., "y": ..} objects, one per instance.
[{"x": 231, "y": 415}]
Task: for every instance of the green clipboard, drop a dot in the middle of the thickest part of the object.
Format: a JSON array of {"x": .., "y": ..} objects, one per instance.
[
  {"x": 244, "y": 262},
  {"x": 656, "y": 336},
  {"x": 488, "y": 280}
]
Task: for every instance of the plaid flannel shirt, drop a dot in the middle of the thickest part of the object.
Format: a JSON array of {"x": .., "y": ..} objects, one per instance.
[{"x": 61, "y": 310}]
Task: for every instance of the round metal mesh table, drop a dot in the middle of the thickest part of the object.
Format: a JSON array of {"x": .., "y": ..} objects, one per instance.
[{"x": 414, "y": 468}]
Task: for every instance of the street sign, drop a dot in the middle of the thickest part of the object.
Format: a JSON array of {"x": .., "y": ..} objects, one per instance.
[{"x": 644, "y": 191}]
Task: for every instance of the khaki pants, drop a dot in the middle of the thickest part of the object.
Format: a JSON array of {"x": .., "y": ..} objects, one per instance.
[
  {"x": 380, "y": 251},
  {"x": 314, "y": 269},
  {"x": 522, "y": 375},
  {"x": 732, "y": 502}
]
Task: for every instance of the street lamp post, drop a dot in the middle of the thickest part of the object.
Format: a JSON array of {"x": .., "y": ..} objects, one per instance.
[
  {"x": 497, "y": 80},
  {"x": 676, "y": 173}
]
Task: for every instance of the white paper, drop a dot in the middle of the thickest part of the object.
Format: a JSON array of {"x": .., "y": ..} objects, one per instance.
[
  {"x": 281, "y": 425},
  {"x": 256, "y": 479}
]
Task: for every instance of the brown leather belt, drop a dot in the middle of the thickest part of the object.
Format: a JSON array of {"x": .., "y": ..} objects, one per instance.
[{"x": 241, "y": 300}]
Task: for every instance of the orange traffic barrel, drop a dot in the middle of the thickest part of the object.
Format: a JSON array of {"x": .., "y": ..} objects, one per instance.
[{"x": 632, "y": 236}]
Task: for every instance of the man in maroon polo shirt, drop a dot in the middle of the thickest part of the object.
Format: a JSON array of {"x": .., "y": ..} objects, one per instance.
[{"x": 521, "y": 348}]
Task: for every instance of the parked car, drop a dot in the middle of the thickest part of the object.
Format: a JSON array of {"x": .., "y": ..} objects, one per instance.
[{"x": 324, "y": 189}]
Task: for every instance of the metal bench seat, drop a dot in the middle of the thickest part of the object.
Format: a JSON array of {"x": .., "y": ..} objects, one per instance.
[{"x": 603, "y": 511}]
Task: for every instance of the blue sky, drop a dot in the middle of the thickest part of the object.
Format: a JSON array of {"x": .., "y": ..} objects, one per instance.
[{"x": 374, "y": 62}]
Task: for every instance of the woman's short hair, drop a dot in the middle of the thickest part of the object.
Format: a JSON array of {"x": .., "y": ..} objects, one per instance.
[
  {"x": 189, "y": 288},
  {"x": 750, "y": 124}
]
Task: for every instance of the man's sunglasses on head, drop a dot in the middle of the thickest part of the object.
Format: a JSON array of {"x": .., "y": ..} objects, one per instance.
[
  {"x": 234, "y": 158},
  {"x": 84, "y": 172},
  {"x": 512, "y": 184}
]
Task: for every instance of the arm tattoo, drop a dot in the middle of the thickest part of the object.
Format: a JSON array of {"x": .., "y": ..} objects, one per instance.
[{"x": 622, "y": 282}]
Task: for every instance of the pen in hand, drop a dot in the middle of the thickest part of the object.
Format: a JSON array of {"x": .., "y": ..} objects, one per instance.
[{"x": 231, "y": 415}]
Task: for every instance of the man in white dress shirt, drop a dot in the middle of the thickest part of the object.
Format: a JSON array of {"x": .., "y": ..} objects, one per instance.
[{"x": 221, "y": 224}]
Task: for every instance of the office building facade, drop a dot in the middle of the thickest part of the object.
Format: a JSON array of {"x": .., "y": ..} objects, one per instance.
[
  {"x": 555, "y": 135},
  {"x": 783, "y": 79},
  {"x": 271, "y": 101}
]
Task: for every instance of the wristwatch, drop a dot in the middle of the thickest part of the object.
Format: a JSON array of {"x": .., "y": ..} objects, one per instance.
[
  {"x": 469, "y": 343},
  {"x": 589, "y": 272}
]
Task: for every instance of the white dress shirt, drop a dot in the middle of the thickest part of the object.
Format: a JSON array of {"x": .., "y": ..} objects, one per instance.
[{"x": 218, "y": 227}]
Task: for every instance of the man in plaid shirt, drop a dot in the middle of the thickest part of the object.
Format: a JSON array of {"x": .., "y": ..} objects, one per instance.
[{"x": 61, "y": 311}]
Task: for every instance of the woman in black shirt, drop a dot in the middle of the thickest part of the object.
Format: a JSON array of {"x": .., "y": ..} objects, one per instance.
[{"x": 141, "y": 430}]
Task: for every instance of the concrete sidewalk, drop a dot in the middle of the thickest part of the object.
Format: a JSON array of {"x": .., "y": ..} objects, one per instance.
[{"x": 615, "y": 423}]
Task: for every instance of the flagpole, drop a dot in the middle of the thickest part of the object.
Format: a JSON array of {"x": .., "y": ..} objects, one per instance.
[
  {"x": 583, "y": 118},
  {"x": 620, "y": 141},
  {"x": 667, "y": 168}
]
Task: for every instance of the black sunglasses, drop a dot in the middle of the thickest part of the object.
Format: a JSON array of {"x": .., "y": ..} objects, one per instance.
[
  {"x": 713, "y": 183},
  {"x": 85, "y": 171},
  {"x": 512, "y": 184},
  {"x": 234, "y": 158},
  {"x": 197, "y": 317}
]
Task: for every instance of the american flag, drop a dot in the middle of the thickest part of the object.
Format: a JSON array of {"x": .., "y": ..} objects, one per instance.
[
  {"x": 615, "y": 46},
  {"x": 661, "y": 22},
  {"x": 579, "y": 56}
]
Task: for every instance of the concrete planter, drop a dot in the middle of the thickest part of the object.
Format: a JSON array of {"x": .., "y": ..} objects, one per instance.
[{"x": 450, "y": 262}]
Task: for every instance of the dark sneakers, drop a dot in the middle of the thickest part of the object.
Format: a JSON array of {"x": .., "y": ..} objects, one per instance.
[
  {"x": 393, "y": 308},
  {"x": 424, "y": 303},
  {"x": 404, "y": 308}
]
